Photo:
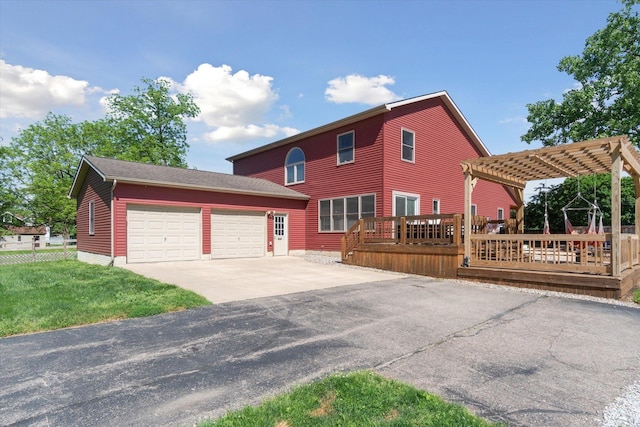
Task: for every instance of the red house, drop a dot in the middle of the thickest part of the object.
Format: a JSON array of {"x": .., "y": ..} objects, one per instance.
[
  {"x": 294, "y": 195},
  {"x": 401, "y": 158}
]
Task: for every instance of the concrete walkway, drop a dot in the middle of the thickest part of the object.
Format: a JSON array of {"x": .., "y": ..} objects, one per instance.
[{"x": 239, "y": 279}]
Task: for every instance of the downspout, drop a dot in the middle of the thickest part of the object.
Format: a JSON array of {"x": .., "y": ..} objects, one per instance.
[{"x": 113, "y": 255}]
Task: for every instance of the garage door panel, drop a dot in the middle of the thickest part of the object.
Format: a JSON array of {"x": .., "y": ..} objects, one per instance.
[
  {"x": 159, "y": 233},
  {"x": 238, "y": 234}
]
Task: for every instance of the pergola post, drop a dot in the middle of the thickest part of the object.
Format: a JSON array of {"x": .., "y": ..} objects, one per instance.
[
  {"x": 468, "y": 189},
  {"x": 616, "y": 166},
  {"x": 520, "y": 211},
  {"x": 636, "y": 185}
]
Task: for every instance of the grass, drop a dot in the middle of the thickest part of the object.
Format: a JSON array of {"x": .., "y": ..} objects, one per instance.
[
  {"x": 51, "y": 295},
  {"x": 636, "y": 296},
  {"x": 356, "y": 399}
]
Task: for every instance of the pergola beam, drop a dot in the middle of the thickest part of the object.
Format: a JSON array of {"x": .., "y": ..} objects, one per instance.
[{"x": 551, "y": 166}]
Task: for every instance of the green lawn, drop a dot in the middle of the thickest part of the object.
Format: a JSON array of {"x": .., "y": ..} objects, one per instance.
[
  {"x": 51, "y": 295},
  {"x": 356, "y": 399},
  {"x": 636, "y": 296}
]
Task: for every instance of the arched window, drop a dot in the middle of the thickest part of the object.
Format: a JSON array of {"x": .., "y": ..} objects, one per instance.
[{"x": 294, "y": 166}]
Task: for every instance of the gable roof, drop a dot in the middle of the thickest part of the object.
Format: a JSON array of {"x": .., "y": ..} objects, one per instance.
[
  {"x": 443, "y": 95},
  {"x": 165, "y": 176}
]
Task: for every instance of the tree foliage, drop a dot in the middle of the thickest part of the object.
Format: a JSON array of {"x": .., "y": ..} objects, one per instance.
[
  {"x": 559, "y": 195},
  {"x": 607, "y": 99},
  {"x": 149, "y": 124},
  {"x": 42, "y": 162},
  {"x": 38, "y": 167}
]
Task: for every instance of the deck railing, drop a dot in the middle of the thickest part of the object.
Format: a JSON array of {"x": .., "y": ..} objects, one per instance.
[
  {"x": 409, "y": 230},
  {"x": 554, "y": 252},
  {"x": 492, "y": 245},
  {"x": 629, "y": 251}
]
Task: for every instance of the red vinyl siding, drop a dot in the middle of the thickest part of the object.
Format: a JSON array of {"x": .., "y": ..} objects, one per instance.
[
  {"x": 324, "y": 178},
  {"x": 96, "y": 190},
  {"x": 148, "y": 195},
  {"x": 440, "y": 146}
]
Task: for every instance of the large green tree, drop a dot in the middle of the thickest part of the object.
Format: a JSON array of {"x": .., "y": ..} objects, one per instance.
[
  {"x": 606, "y": 100},
  {"x": 42, "y": 162},
  {"x": 150, "y": 125},
  {"x": 38, "y": 166},
  {"x": 591, "y": 187}
]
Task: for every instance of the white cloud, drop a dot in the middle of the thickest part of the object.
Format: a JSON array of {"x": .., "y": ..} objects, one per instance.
[
  {"x": 361, "y": 89},
  {"x": 227, "y": 99},
  {"x": 249, "y": 132},
  {"x": 30, "y": 93},
  {"x": 235, "y": 104},
  {"x": 515, "y": 120}
]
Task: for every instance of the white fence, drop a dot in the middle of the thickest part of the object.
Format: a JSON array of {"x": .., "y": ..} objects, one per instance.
[{"x": 36, "y": 251}]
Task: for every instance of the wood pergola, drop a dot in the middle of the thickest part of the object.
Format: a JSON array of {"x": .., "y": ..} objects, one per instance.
[{"x": 605, "y": 155}]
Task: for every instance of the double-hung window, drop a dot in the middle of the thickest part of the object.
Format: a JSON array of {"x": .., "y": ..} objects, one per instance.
[
  {"x": 294, "y": 166},
  {"x": 408, "y": 145},
  {"x": 341, "y": 213},
  {"x": 406, "y": 204},
  {"x": 500, "y": 213},
  {"x": 346, "y": 147}
]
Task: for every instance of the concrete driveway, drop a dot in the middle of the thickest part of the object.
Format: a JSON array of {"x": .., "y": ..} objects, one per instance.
[
  {"x": 239, "y": 279},
  {"x": 521, "y": 358}
]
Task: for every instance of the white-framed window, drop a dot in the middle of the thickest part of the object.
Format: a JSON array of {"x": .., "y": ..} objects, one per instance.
[
  {"x": 341, "y": 213},
  {"x": 294, "y": 166},
  {"x": 408, "y": 145},
  {"x": 92, "y": 218},
  {"x": 346, "y": 147},
  {"x": 405, "y": 204},
  {"x": 500, "y": 213},
  {"x": 474, "y": 209},
  {"x": 435, "y": 206}
]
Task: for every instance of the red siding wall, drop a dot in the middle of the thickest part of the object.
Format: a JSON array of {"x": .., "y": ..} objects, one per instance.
[
  {"x": 147, "y": 195},
  {"x": 96, "y": 190},
  {"x": 440, "y": 146},
  {"x": 323, "y": 177}
]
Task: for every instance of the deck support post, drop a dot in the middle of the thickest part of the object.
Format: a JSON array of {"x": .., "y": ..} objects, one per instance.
[
  {"x": 616, "y": 167},
  {"x": 361, "y": 234},
  {"x": 403, "y": 231}
]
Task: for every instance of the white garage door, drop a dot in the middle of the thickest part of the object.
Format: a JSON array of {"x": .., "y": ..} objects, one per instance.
[
  {"x": 237, "y": 234},
  {"x": 162, "y": 233}
]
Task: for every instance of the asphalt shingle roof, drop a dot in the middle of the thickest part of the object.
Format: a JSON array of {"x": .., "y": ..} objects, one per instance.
[{"x": 142, "y": 173}]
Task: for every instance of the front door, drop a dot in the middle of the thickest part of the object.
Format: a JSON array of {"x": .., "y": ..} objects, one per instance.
[{"x": 280, "y": 236}]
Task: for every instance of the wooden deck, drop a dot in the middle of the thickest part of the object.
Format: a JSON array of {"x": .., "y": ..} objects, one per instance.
[{"x": 433, "y": 245}]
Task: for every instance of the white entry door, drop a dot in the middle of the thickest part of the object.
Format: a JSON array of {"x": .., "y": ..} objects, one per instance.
[{"x": 280, "y": 236}]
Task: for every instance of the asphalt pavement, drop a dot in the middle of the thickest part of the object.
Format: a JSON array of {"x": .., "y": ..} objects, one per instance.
[{"x": 520, "y": 358}]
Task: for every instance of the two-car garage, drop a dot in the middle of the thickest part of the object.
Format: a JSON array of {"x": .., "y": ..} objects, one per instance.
[
  {"x": 132, "y": 212},
  {"x": 163, "y": 233}
]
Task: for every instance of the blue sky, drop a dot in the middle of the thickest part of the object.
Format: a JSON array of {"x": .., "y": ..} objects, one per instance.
[{"x": 263, "y": 70}]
